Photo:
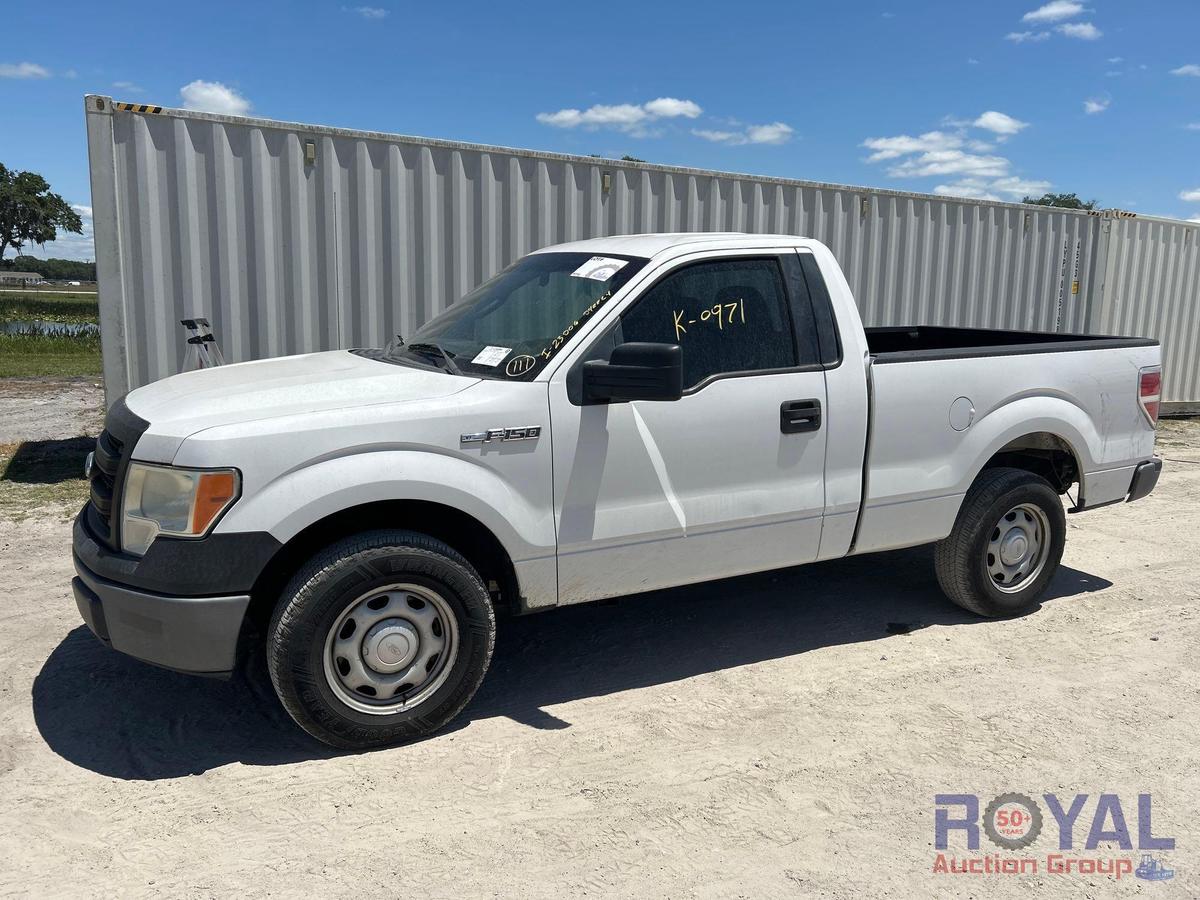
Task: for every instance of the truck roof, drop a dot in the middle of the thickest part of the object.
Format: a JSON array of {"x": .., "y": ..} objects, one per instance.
[{"x": 649, "y": 245}]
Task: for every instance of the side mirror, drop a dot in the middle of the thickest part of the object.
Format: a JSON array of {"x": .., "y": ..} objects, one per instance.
[{"x": 635, "y": 371}]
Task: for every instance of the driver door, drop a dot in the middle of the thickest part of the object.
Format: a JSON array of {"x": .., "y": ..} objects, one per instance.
[{"x": 721, "y": 482}]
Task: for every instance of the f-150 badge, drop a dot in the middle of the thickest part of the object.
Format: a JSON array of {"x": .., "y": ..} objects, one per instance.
[{"x": 526, "y": 433}]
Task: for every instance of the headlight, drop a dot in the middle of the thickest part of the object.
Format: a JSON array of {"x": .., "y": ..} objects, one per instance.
[{"x": 177, "y": 502}]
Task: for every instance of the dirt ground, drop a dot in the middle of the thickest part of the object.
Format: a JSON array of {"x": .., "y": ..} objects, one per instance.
[
  {"x": 42, "y": 409},
  {"x": 782, "y": 734}
]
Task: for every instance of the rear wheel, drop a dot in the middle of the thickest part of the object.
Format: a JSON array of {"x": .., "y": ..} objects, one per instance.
[
  {"x": 1006, "y": 544},
  {"x": 380, "y": 638}
]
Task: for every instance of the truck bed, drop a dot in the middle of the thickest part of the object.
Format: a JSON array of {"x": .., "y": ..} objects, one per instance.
[
  {"x": 902, "y": 343},
  {"x": 966, "y": 393}
]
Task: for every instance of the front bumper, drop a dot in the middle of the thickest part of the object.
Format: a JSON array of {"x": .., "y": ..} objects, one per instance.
[
  {"x": 189, "y": 634},
  {"x": 180, "y": 606}
]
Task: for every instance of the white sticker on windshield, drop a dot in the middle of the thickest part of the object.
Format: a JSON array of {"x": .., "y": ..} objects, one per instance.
[
  {"x": 491, "y": 356},
  {"x": 600, "y": 268}
]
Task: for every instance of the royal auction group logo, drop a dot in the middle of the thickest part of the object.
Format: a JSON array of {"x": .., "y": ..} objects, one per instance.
[{"x": 1014, "y": 822}]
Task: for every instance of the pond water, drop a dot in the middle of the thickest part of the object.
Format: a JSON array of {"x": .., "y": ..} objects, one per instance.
[{"x": 54, "y": 329}]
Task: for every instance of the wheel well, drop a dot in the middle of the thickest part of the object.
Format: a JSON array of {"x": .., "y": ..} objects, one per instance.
[
  {"x": 1043, "y": 454},
  {"x": 464, "y": 533}
]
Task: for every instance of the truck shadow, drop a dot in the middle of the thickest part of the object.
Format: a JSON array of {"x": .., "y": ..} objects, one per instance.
[
  {"x": 124, "y": 719},
  {"x": 48, "y": 462}
]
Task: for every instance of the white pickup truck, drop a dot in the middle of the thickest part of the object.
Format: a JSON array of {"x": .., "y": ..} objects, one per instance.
[{"x": 601, "y": 418}]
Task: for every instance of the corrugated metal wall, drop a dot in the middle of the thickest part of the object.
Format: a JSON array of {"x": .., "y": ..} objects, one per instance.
[
  {"x": 1151, "y": 288},
  {"x": 204, "y": 215}
]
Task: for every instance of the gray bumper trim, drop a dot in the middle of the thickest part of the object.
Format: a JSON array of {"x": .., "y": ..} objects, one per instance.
[
  {"x": 188, "y": 634},
  {"x": 1145, "y": 477}
]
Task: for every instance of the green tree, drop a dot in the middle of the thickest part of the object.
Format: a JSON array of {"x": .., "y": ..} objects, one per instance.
[
  {"x": 29, "y": 212},
  {"x": 53, "y": 268},
  {"x": 1063, "y": 201}
]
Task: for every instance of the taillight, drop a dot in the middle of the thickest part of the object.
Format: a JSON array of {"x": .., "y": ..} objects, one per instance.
[{"x": 1149, "y": 390}]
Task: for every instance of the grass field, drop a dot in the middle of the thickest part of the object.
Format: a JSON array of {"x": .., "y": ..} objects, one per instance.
[
  {"x": 66, "y": 295},
  {"x": 67, "y": 309},
  {"x": 42, "y": 355},
  {"x": 38, "y": 356}
]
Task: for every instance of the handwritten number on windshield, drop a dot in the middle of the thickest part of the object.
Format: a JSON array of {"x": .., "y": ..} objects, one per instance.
[{"x": 550, "y": 349}]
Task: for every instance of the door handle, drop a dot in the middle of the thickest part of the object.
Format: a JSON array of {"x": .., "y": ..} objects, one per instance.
[{"x": 796, "y": 416}]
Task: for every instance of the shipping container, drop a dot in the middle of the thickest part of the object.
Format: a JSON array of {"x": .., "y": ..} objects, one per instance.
[{"x": 293, "y": 238}]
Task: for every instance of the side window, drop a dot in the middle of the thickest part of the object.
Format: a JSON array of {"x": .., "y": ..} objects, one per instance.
[{"x": 728, "y": 316}]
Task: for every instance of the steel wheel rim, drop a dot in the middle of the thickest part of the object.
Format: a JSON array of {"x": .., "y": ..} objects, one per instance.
[
  {"x": 397, "y": 652},
  {"x": 1017, "y": 548}
]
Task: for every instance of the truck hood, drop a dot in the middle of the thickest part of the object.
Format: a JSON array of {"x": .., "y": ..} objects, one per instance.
[{"x": 182, "y": 405}]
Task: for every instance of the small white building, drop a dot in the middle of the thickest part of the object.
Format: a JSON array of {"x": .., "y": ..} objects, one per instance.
[{"x": 19, "y": 279}]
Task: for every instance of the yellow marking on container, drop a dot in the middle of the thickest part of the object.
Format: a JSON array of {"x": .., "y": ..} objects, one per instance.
[{"x": 139, "y": 108}]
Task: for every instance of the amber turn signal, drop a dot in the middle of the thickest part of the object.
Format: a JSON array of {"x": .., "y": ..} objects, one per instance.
[{"x": 213, "y": 494}]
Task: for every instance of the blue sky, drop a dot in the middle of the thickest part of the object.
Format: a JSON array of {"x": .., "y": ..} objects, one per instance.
[{"x": 993, "y": 99}]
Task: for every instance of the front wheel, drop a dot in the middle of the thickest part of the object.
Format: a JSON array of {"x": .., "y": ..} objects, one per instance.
[
  {"x": 1006, "y": 544},
  {"x": 381, "y": 638}
]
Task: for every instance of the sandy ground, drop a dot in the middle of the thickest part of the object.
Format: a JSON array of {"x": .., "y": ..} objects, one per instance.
[
  {"x": 40, "y": 409},
  {"x": 772, "y": 735}
]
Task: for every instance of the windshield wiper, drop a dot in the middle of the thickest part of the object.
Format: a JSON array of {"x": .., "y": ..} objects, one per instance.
[{"x": 444, "y": 354}]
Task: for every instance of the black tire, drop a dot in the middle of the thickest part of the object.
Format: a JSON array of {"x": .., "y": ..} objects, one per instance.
[
  {"x": 330, "y": 585},
  {"x": 962, "y": 559}
]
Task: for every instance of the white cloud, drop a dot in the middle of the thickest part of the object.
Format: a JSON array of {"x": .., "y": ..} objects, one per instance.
[
  {"x": 1192, "y": 196},
  {"x": 23, "y": 70},
  {"x": 974, "y": 169},
  {"x": 621, "y": 116},
  {"x": 950, "y": 162},
  {"x": 1113, "y": 60},
  {"x": 1054, "y": 11},
  {"x": 999, "y": 123},
  {"x": 372, "y": 13},
  {"x": 670, "y": 108},
  {"x": 774, "y": 133},
  {"x": 1096, "y": 105},
  {"x": 627, "y": 117},
  {"x": 1019, "y": 187},
  {"x": 1023, "y": 37},
  {"x": 1190, "y": 69},
  {"x": 214, "y": 97},
  {"x": 972, "y": 61},
  {"x": 128, "y": 86},
  {"x": 1192, "y": 126},
  {"x": 717, "y": 137},
  {"x": 903, "y": 144},
  {"x": 974, "y": 188},
  {"x": 1085, "y": 31},
  {"x": 1010, "y": 188}
]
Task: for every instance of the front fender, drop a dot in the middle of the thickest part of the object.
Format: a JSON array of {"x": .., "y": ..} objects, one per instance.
[{"x": 301, "y": 497}]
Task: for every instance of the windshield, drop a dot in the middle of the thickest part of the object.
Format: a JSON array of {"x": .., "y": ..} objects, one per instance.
[{"x": 511, "y": 326}]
